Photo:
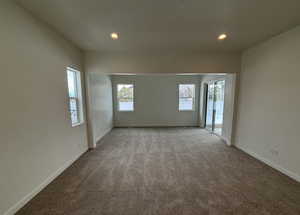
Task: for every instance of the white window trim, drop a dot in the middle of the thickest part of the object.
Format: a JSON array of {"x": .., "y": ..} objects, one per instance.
[
  {"x": 194, "y": 98},
  {"x": 118, "y": 105},
  {"x": 79, "y": 98}
]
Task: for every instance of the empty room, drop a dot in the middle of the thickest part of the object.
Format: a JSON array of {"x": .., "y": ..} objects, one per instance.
[{"x": 139, "y": 107}]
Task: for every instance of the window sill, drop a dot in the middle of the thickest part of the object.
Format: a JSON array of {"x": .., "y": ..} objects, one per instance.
[
  {"x": 77, "y": 124},
  {"x": 186, "y": 110}
]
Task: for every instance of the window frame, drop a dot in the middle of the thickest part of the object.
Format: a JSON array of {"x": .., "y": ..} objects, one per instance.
[
  {"x": 194, "y": 98},
  {"x": 133, "y": 97},
  {"x": 78, "y": 97}
]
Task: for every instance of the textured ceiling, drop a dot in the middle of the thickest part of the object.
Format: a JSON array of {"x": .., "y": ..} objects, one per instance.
[{"x": 166, "y": 25}]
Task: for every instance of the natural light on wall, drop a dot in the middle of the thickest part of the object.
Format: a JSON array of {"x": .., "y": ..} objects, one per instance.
[
  {"x": 186, "y": 97},
  {"x": 75, "y": 96},
  {"x": 125, "y": 97}
]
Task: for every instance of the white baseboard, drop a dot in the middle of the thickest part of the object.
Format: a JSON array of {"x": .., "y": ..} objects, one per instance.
[
  {"x": 288, "y": 173},
  {"x": 39, "y": 188}
]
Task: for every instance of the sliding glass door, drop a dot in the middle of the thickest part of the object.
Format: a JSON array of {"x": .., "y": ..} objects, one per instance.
[
  {"x": 210, "y": 107},
  {"x": 219, "y": 106},
  {"x": 215, "y": 106}
]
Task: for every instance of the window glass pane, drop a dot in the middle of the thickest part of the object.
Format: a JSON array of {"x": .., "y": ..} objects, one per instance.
[
  {"x": 186, "y": 104},
  {"x": 74, "y": 111},
  {"x": 186, "y": 96},
  {"x": 75, "y": 96},
  {"x": 72, "y": 83},
  {"x": 125, "y": 97},
  {"x": 126, "y": 105}
]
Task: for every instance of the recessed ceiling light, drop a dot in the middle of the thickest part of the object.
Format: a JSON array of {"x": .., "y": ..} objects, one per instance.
[
  {"x": 114, "y": 36},
  {"x": 222, "y": 37}
]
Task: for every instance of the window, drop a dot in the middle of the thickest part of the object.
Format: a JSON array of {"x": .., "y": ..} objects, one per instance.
[
  {"x": 75, "y": 96},
  {"x": 186, "y": 97},
  {"x": 125, "y": 97}
]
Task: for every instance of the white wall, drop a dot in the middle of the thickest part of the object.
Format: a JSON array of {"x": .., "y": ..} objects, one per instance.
[
  {"x": 156, "y": 101},
  {"x": 229, "y": 104},
  {"x": 100, "y": 112},
  {"x": 269, "y": 103},
  {"x": 165, "y": 63},
  {"x": 36, "y": 137}
]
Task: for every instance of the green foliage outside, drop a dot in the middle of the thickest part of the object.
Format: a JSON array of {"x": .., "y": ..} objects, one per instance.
[
  {"x": 186, "y": 91},
  {"x": 125, "y": 93}
]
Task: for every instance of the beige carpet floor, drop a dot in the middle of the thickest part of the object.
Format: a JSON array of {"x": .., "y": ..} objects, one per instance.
[{"x": 166, "y": 171}]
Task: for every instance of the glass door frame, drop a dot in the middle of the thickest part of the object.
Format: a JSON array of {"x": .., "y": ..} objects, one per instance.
[
  {"x": 209, "y": 106},
  {"x": 213, "y": 117}
]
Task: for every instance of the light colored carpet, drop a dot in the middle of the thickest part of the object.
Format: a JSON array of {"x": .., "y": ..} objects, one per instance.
[{"x": 166, "y": 171}]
